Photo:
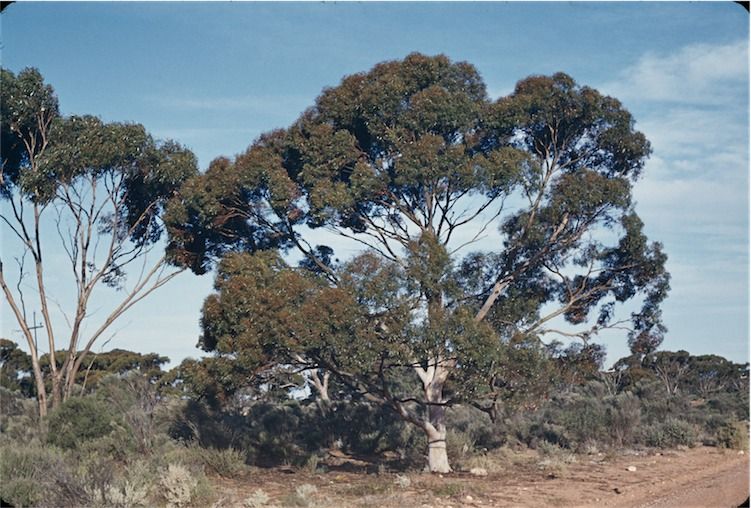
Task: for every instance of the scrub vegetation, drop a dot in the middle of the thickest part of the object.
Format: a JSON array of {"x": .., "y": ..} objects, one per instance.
[{"x": 427, "y": 350}]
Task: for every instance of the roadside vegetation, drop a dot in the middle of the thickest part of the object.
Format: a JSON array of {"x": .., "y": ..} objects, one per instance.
[{"x": 140, "y": 436}]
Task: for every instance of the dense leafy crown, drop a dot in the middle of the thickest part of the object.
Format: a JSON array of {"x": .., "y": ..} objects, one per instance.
[
  {"x": 401, "y": 158},
  {"x": 45, "y": 156}
]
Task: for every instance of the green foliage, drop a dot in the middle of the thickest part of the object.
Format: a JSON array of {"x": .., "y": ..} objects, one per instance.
[
  {"x": 142, "y": 172},
  {"x": 15, "y": 368},
  {"x": 670, "y": 434},
  {"x": 733, "y": 435},
  {"x": 401, "y": 157},
  {"x": 24, "y": 468},
  {"x": 26, "y": 105},
  {"x": 228, "y": 463},
  {"x": 106, "y": 184},
  {"x": 19, "y": 417},
  {"x": 80, "y": 419}
]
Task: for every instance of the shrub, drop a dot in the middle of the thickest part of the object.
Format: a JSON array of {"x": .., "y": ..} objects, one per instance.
[
  {"x": 229, "y": 463},
  {"x": 459, "y": 445},
  {"x": 32, "y": 473},
  {"x": 257, "y": 499},
  {"x": 583, "y": 419},
  {"x": 22, "y": 469},
  {"x": 19, "y": 416},
  {"x": 78, "y": 420},
  {"x": 481, "y": 431},
  {"x": 623, "y": 416},
  {"x": 733, "y": 435},
  {"x": 669, "y": 434},
  {"x": 301, "y": 496},
  {"x": 403, "y": 481},
  {"x": 126, "y": 494},
  {"x": 178, "y": 486}
]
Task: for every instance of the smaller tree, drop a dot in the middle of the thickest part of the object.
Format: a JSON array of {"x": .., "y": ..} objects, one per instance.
[
  {"x": 710, "y": 374},
  {"x": 103, "y": 187},
  {"x": 15, "y": 368},
  {"x": 670, "y": 367},
  {"x": 577, "y": 362}
]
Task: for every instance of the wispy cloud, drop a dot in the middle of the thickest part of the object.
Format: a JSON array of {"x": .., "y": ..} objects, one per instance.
[{"x": 697, "y": 74}]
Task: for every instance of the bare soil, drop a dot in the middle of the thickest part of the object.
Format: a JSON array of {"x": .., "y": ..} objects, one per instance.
[{"x": 698, "y": 477}]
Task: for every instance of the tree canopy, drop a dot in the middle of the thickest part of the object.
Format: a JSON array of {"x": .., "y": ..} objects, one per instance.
[{"x": 414, "y": 161}]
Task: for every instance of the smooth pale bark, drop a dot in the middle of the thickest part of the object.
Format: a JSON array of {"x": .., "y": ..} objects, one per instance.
[
  {"x": 35, "y": 367},
  {"x": 438, "y": 459},
  {"x": 435, "y": 423}
]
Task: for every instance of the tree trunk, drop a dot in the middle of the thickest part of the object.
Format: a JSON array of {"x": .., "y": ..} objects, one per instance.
[
  {"x": 57, "y": 390},
  {"x": 69, "y": 371},
  {"x": 435, "y": 427},
  {"x": 41, "y": 390},
  {"x": 438, "y": 459}
]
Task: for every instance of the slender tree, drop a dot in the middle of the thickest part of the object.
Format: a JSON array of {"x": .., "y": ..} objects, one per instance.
[
  {"x": 413, "y": 161},
  {"x": 103, "y": 187}
]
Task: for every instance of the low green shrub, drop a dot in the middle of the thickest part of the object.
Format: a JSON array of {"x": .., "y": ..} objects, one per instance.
[
  {"x": 733, "y": 435},
  {"x": 78, "y": 420},
  {"x": 229, "y": 463},
  {"x": 670, "y": 434},
  {"x": 27, "y": 470}
]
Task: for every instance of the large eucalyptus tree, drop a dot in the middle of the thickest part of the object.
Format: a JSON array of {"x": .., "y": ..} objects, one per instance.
[{"x": 415, "y": 162}]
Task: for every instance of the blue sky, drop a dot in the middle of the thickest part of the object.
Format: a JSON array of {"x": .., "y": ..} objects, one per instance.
[{"x": 214, "y": 76}]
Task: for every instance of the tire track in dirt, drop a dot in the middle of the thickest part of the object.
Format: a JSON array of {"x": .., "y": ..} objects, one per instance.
[{"x": 728, "y": 487}]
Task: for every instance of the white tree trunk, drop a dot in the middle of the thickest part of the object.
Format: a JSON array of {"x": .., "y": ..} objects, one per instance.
[
  {"x": 435, "y": 426},
  {"x": 438, "y": 459}
]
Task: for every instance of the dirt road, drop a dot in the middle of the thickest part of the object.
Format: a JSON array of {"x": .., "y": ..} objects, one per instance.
[
  {"x": 706, "y": 483},
  {"x": 700, "y": 477}
]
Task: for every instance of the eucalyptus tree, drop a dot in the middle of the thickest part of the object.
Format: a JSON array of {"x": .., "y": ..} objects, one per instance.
[
  {"x": 414, "y": 161},
  {"x": 102, "y": 187}
]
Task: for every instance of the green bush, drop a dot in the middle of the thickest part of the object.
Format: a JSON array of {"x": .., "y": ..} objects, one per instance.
[
  {"x": 19, "y": 416},
  {"x": 27, "y": 471},
  {"x": 78, "y": 420},
  {"x": 670, "y": 434},
  {"x": 459, "y": 446},
  {"x": 623, "y": 416},
  {"x": 733, "y": 435},
  {"x": 229, "y": 463}
]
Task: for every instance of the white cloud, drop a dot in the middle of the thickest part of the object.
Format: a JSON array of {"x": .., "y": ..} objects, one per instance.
[
  {"x": 697, "y": 74},
  {"x": 683, "y": 132}
]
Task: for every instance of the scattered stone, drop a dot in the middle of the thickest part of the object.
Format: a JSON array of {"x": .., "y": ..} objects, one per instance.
[
  {"x": 741, "y": 452},
  {"x": 478, "y": 471},
  {"x": 469, "y": 499},
  {"x": 631, "y": 468},
  {"x": 617, "y": 490}
]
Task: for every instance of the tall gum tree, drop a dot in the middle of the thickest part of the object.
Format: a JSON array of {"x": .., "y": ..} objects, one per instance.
[
  {"x": 403, "y": 159},
  {"x": 103, "y": 188}
]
